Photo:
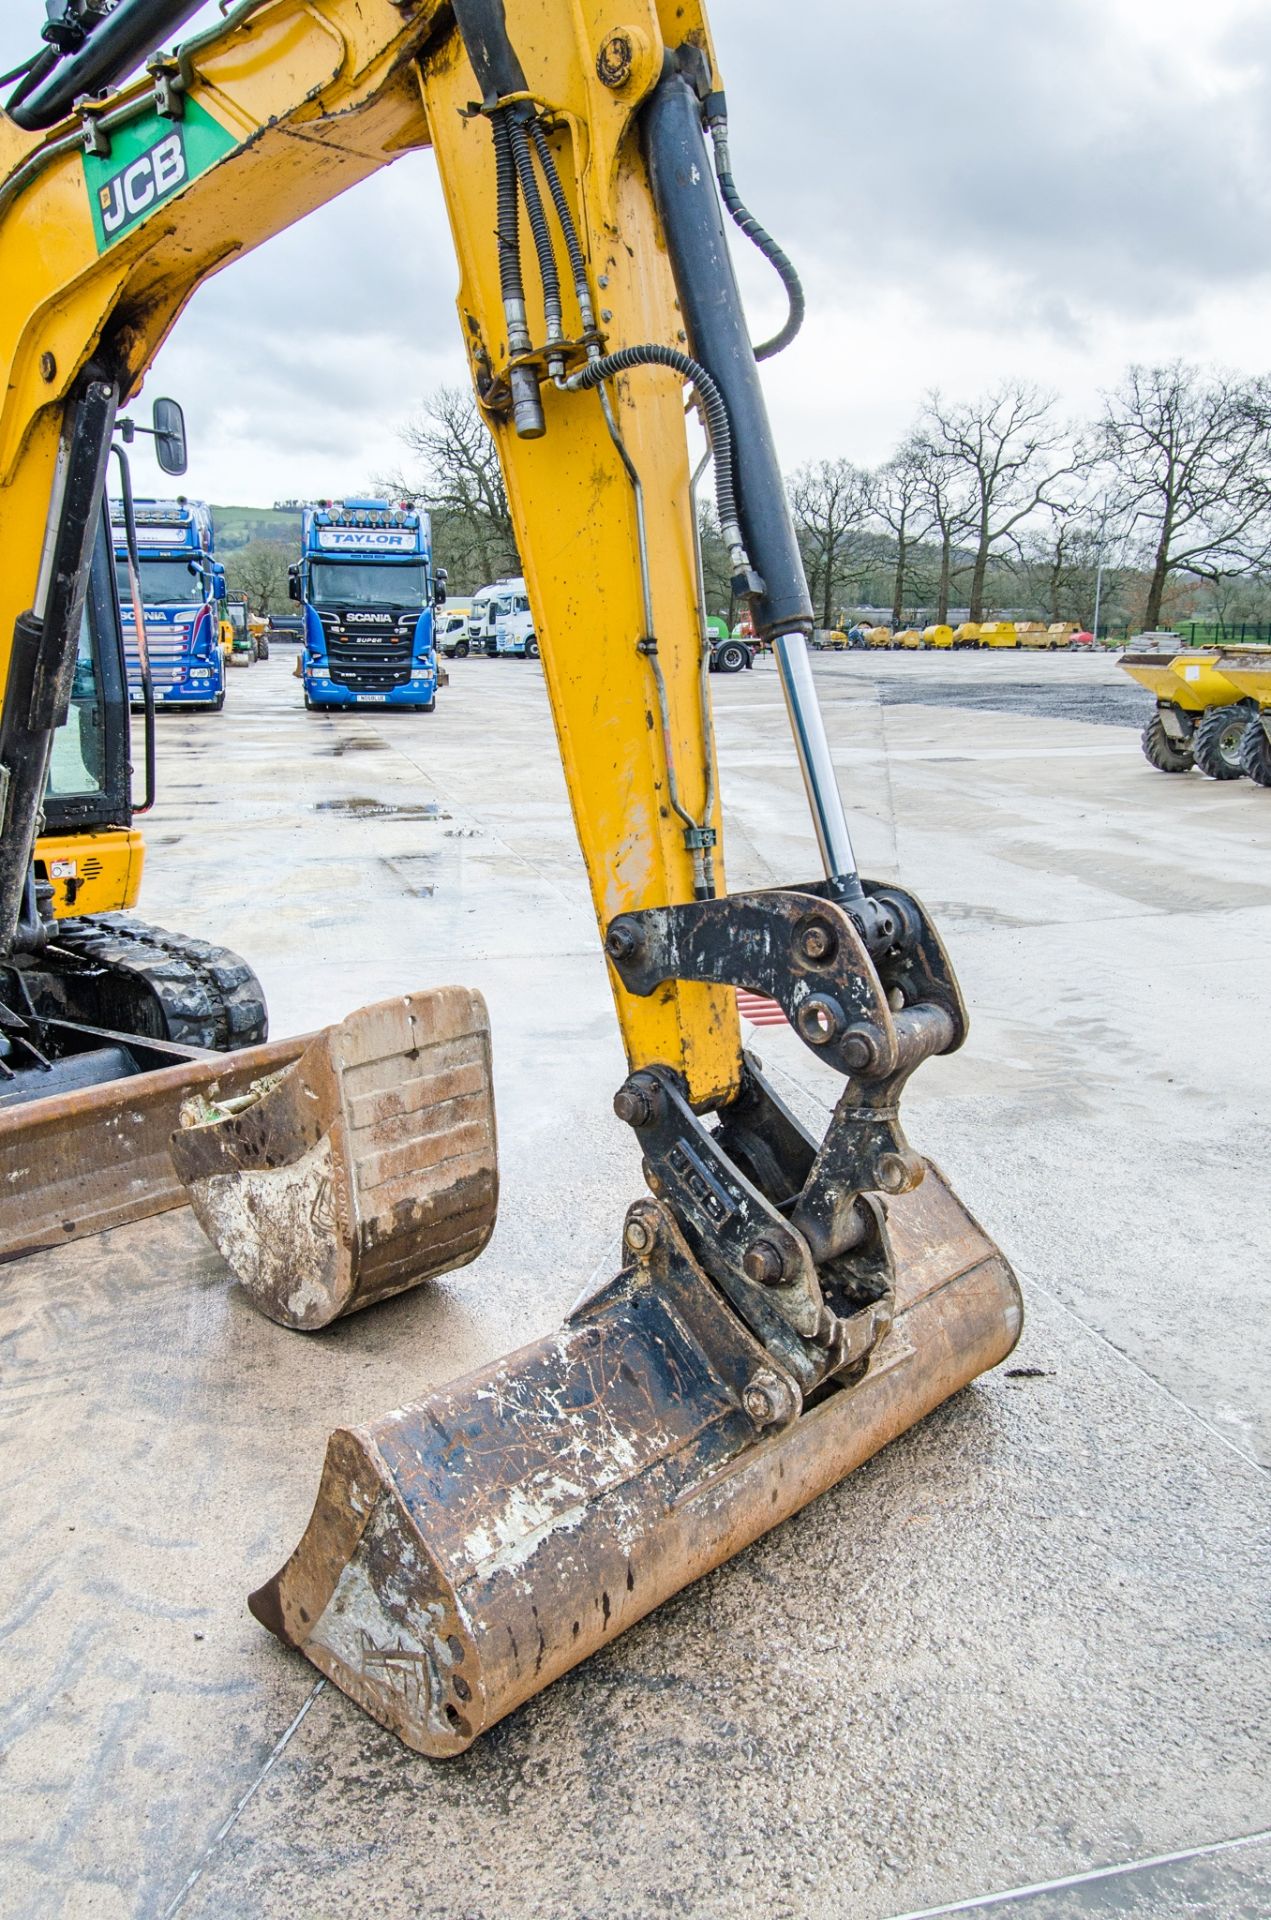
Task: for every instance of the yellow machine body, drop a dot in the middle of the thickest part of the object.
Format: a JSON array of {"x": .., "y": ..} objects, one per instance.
[
  {"x": 998, "y": 633},
  {"x": 937, "y": 636},
  {"x": 1248, "y": 670},
  {"x": 1192, "y": 681},
  {"x": 93, "y": 872}
]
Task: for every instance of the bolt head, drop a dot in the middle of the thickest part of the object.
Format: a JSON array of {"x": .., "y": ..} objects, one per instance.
[
  {"x": 622, "y": 942},
  {"x": 763, "y": 1263},
  {"x": 616, "y": 58},
  {"x": 637, "y": 1236},
  {"x": 817, "y": 941},
  {"x": 759, "y": 1405},
  {"x": 632, "y": 1106},
  {"x": 858, "y": 1051},
  {"x": 48, "y": 367}
]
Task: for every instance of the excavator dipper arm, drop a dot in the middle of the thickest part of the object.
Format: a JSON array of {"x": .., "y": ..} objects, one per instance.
[{"x": 784, "y": 1305}]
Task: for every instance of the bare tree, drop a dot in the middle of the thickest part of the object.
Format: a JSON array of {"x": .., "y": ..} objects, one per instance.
[
  {"x": 1006, "y": 451},
  {"x": 717, "y": 567},
  {"x": 1191, "y": 452},
  {"x": 948, "y": 506},
  {"x": 830, "y": 502},
  {"x": 461, "y": 484},
  {"x": 259, "y": 573},
  {"x": 900, "y": 497}
]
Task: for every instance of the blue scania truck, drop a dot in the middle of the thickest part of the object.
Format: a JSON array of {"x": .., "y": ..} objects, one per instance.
[
  {"x": 182, "y": 587},
  {"x": 366, "y": 581}
]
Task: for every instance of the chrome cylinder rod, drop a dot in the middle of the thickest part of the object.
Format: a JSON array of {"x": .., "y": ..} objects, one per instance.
[{"x": 808, "y": 727}]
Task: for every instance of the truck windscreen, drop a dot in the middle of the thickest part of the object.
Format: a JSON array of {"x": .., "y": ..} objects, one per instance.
[
  {"x": 373, "y": 584},
  {"x": 164, "y": 583}
]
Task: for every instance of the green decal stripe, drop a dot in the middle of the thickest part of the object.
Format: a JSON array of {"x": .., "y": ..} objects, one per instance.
[{"x": 150, "y": 160}]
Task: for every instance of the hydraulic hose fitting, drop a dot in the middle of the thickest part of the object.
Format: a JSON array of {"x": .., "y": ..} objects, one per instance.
[{"x": 527, "y": 405}]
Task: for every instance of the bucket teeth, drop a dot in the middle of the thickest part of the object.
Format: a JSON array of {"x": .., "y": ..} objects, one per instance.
[
  {"x": 366, "y": 1168},
  {"x": 466, "y": 1551}
]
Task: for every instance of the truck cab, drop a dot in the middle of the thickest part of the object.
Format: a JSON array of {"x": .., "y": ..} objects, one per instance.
[
  {"x": 514, "y": 626},
  {"x": 489, "y": 606},
  {"x": 366, "y": 582},
  {"x": 182, "y": 589}
]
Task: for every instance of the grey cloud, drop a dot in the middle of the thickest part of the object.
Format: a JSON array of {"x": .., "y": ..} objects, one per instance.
[{"x": 1038, "y": 143}]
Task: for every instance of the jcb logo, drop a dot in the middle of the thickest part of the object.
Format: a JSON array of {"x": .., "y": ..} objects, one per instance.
[{"x": 126, "y": 195}]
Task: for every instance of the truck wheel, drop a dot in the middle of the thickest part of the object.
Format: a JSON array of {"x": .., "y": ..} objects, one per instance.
[
  {"x": 461, "y": 650},
  {"x": 531, "y": 648},
  {"x": 262, "y": 649},
  {"x": 1216, "y": 742},
  {"x": 1165, "y": 754},
  {"x": 218, "y": 703},
  {"x": 730, "y": 658},
  {"x": 1255, "y": 752}
]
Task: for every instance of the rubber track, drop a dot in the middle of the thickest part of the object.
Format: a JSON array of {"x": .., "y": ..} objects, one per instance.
[{"x": 205, "y": 995}]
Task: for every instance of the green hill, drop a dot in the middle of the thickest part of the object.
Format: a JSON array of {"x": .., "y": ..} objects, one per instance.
[{"x": 237, "y": 527}]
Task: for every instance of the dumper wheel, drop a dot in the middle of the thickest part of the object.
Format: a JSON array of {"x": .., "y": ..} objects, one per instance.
[
  {"x": 1216, "y": 742},
  {"x": 167, "y": 986},
  {"x": 1165, "y": 754},
  {"x": 1255, "y": 752}
]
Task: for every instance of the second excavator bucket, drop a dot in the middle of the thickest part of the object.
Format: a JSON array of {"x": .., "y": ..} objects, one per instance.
[
  {"x": 466, "y": 1551},
  {"x": 364, "y": 1169}
]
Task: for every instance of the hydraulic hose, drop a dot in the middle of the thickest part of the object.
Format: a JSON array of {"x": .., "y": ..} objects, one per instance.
[
  {"x": 718, "y": 428},
  {"x": 527, "y": 406},
  {"x": 573, "y": 248},
  {"x": 508, "y": 228},
  {"x": 762, "y": 239},
  {"x": 549, "y": 272}
]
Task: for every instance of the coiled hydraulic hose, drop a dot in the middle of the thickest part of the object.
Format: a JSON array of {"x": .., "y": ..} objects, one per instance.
[
  {"x": 761, "y": 238},
  {"x": 537, "y": 216},
  {"x": 718, "y": 428}
]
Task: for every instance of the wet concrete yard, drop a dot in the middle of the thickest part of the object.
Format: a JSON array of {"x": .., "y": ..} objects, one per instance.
[{"x": 1022, "y": 1653}]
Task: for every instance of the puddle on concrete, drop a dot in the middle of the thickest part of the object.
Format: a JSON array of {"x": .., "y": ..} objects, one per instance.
[
  {"x": 360, "y": 806},
  {"x": 412, "y": 871}
]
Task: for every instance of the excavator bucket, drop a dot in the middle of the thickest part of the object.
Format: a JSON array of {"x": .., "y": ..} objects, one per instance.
[
  {"x": 364, "y": 1169},
  {"x": 466, "y": 1551}
]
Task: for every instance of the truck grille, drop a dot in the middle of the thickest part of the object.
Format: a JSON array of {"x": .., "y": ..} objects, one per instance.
[{"x": 369, "y": 666}]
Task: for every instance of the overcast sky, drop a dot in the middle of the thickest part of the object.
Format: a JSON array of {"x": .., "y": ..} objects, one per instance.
[{"x": 1043, "y": 188}]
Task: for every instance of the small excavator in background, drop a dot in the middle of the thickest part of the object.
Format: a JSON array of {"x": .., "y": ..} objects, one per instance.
[
  {"x": 783, "y": 1303},
  {"x": 88, "y": 992}
]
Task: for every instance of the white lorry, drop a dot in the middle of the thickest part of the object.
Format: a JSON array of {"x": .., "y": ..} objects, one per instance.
[{"x": 488, "y": 606}]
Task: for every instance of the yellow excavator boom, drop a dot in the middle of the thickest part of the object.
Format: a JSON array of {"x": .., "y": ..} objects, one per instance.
[{"x": 784, "y": 1305}]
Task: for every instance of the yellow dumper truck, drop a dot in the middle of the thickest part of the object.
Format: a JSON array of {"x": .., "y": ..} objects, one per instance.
[{"x": 1202, "y": 710}]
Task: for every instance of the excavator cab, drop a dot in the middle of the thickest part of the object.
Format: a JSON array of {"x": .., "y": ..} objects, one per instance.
[{"x": 785, "y": 1300}]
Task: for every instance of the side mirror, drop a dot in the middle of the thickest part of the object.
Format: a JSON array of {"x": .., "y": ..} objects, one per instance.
[
  {"x": 219, "y": 588},
  {"x": 440, "y": 576},
  {"x": 169, "y": 436},
  {"x": 293, "y": 583}
]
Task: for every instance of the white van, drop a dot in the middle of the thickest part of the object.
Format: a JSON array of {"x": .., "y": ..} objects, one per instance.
[{"x": 487, "y": 606}]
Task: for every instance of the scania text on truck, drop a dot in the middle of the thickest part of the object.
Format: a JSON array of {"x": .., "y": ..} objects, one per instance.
[
  {"x": 367, "y": 585},
  {"x": 182, "y": 588}
]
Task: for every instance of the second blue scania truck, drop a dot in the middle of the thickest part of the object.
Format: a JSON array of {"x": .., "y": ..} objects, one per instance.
[
  {"x": 366, "y": 581},
  {"x": 182, "y": 587}
]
